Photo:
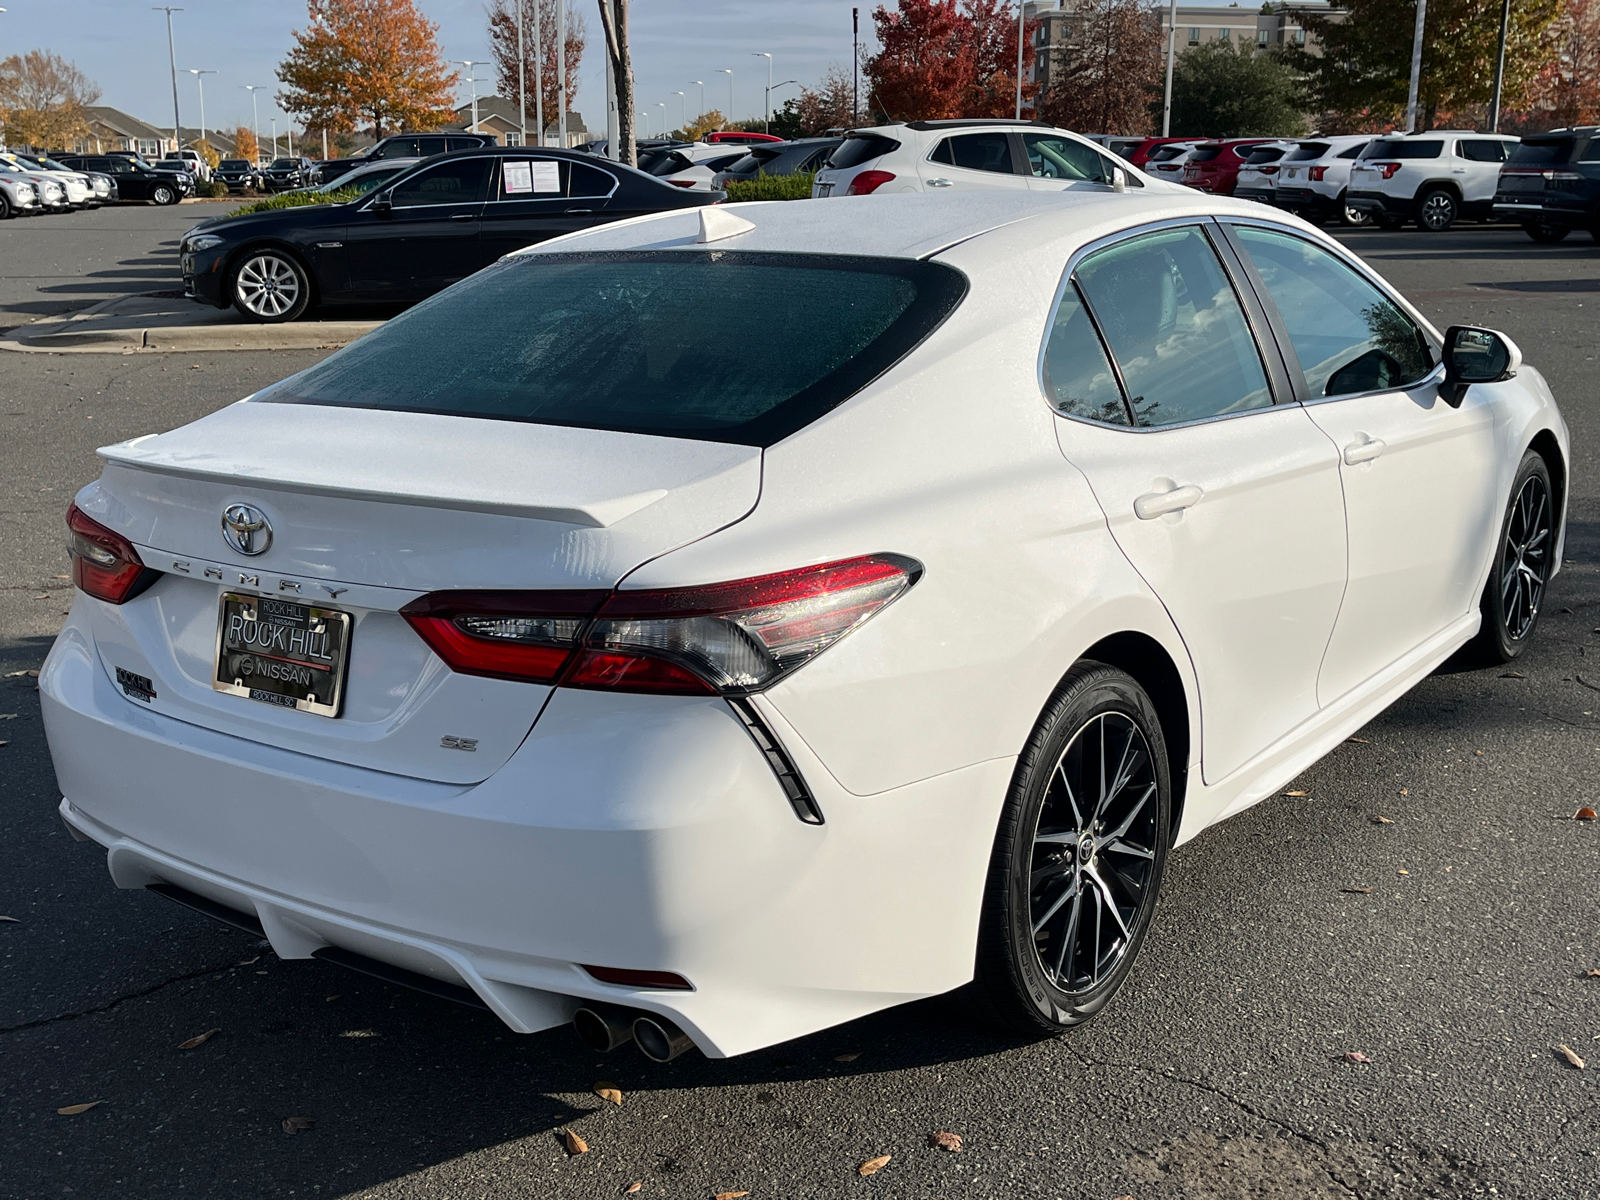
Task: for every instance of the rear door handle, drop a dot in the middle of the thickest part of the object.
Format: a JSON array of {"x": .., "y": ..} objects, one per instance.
[
  {"x": 463, "y": 216},
  {"x": 1360, "y": 452},
  {"x": 1158, "y": 504},
  {"x": 939, "y": 183},
  {"x": 580, "y": 210}
]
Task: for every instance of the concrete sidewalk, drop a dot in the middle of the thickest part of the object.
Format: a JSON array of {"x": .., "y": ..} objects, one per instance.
[{"x": 167, "y": 321}]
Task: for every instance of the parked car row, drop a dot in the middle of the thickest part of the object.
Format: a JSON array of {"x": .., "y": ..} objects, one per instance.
[
  {"x": 37, "y": 184},
  {"x": 165, "y": 182}
]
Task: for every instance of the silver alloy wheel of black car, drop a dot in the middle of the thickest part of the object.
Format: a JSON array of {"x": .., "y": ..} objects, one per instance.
[
  {"x": 1437, "y": 211},
  {"x": 163, "y": 195},
  {"x": 270, "y": 287}
]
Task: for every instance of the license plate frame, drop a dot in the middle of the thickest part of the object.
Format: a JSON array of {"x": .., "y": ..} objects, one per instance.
[{"x": 309, "y": 656}]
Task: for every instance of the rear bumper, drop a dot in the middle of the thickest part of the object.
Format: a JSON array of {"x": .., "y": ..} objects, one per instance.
[
  {"x": 627, "y": 831},
  {"x": 1304, "y": 199},
  {"x": 1379, "y": 203},
  {"x": 1259, "y": 195},
  {"x": 1517, "y": 207}
]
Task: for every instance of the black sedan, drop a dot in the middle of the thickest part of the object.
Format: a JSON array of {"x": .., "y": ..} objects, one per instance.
[
  {"x": 437, "y": 223},
  {"x": 285, "y": 174},
  {"x": 135, "y": 179}
]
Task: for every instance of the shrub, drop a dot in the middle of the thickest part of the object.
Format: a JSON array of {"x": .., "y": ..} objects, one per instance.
[
  {"x": 772, "y": 187},
  {"x": 216, "y": 189},
  {"x": 296, "y": 200}
]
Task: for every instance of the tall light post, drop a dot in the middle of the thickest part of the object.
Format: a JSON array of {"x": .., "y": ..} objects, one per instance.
[
  {"x": 522, "y": 78},
  {"x": 855, "y": 65},
  {"x": 172, "y": 62},
  {"x": 1172, "y": 53},
  {"x": 1022, "y": 18},
  {"x": 702, "y": 85},
  {"x": 770, "y": 89},
  {"x": 1499, "y": 67},
  {"x": 538, "y": 71},
  {"x": 472, "y": 78},
  {"x": 274, "y": 121},
  {"x": 199, "y": 81},
  {"x": 561, "y": 74},
  {"x": 255, "y": 112},
  {"x": 1416, "y": 67},
  {"x": 683, "y": 110},
  {"x": 662, "y": 105},
  {"x": 768, "y": 57},
  {"x": 728, "y": 71}
]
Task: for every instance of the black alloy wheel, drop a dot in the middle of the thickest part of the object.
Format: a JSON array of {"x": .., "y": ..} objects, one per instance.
[
  {"x": 1540, "y": 232},
  {"x": 163, "y": 195},
  {"x": 1078, "y": 860},
  {"x": 1437, "y": 210},
  {"x": 1523, "y": 559}
]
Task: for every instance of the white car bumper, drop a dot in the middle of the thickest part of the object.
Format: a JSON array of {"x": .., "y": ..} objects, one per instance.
[{"x": 628, "y": 831}]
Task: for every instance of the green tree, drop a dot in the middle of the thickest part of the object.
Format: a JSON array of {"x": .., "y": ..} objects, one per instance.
[
  {"x": 1360, "y": 80},
  {"x": 1220, "y": 91}
]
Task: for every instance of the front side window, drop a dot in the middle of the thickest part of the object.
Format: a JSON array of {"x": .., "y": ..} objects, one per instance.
[
  {"x": 1175, "y": 327},
  {"x": 435, "y": 145},
  {"x": 400, "y": 147},
  {"x": 976, "y": 152},
  {"x": 459, "y": 181},
  {"x": 1348, "y": 335},
  {"x": 625, "y": 341},
  {"x": 1077, "y": 374},
  {"x": 1054, "y": 157}
]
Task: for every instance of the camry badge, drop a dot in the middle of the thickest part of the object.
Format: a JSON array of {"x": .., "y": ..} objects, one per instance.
[{"x": 246, "y": 529}]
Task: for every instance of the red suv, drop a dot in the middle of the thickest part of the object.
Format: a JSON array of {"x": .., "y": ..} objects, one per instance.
[
  {"x": 1214, "y": 167},
  {"x": 1141, "y": 154}
]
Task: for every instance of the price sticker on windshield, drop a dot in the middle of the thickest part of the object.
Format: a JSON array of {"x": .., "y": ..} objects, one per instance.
[
  {"x": 546, "y": 177},
  {"x": 517, "y": 176}
]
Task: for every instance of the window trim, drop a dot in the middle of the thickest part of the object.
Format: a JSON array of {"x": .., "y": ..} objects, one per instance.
[
  {"x": 544, "y": 197},
  {"x": 1248, "y": 305},
  {"x": 1280, "y": 331},
  {"x": 1013, "y": 144},
  {"x": 386, "y": 190}
]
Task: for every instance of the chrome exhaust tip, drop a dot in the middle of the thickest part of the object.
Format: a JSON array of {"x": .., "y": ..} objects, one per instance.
[
  {"x": 603, "y": 1027},
  {"x": 659, "y": 1039}
]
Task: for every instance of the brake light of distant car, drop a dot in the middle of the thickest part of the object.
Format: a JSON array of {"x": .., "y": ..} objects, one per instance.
[
  {"x": 1268, "y": 170},
  {"x": 1388, "y": 168},
  {"x": 104, "y": 563},
  {"x": 867, "y": 182},
  {"x": 1317, "y": 173},
  {"x": 733, "y": 638},
  {"x": 525, "y": 636}
]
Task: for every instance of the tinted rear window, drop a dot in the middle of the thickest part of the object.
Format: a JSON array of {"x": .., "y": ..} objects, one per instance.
[
  {"x": 1307, "y": 150},
  {"x": 1539, "y": 154},
  {"x": 1265, "y": 156},
  {"x": 1205, "y": 154},
  {"x": 1407, "y": 149},
  {"x": 857, "y": 150},
  {"x": 637, "y": 341}
]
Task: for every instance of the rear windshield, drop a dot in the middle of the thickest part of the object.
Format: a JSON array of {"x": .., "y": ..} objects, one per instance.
[
  {"x": 1307, "y": 150},
  {"x": 637, "y": 341},
  {"x": 1406, "y": 149},
  {"x": 1205, "y": 154},
  {"x": 859, "y": 148},
  {"x": 1266, "y": 156},
  {"x": 1557, "y": 150},
  {"x": 1166, "y": 153}
]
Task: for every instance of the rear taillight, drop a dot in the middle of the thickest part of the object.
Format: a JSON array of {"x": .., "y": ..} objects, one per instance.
[
  {"x": 683, "y": 183},
  {"x": 867, "y": 182},
  {"x": 1388, "y": 169},
  {"x": 724, "y": 638},
  {"x": 104, "y": 563},
  {"x": 1317, "y": 173},
  {"x": 1268, "y": 170}
]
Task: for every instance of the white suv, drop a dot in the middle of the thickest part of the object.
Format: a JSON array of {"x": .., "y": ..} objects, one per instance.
[
  {"x": 966, "y": 156},
  {"x": 1315, "y": 176},
  {"x": 1432, "y": 178}
]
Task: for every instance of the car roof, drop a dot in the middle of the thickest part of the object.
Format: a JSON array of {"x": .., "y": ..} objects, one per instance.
[{"x": 902, "y": 225}]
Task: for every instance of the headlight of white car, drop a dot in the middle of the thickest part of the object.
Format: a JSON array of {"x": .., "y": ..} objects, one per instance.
[
  {"x": 25, "y": 191},
  {"x": 51, "y": 191},
  {"x": 204, "y": 242}
]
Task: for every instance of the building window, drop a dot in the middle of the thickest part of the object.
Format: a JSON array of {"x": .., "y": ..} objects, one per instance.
[
  {"x": 1261, "y": 37},
  {"x": 149, "y": 149},
  {"x": 513, "y": 138},
  {"x": 1194, "y": 37},
  {"x": 1299, "y": 37},
  {"x": 1225, "y": 36}
]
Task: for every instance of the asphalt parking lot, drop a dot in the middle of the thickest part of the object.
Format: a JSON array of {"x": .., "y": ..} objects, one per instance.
[{"x": 1220, "y": 1071}]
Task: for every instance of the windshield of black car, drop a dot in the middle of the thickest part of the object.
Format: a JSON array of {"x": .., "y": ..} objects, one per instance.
[
  {"x": 859, "y": 148},
  {"x": 1384, "y": 149},
  {"x": 233, "y": 164},
  {"x": 1541, "y": 153},
  {"x": 621, "y": 341},
  {"x": 283, "y": 163}
]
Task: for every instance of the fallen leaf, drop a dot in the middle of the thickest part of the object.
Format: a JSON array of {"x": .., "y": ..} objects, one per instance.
[
  {"x": 1478, "y": 753},
  {"x": 298, "y": 1124},
  {"x": 249, "y": 962},
  {"x": 1359, "y": 741},
  {"x": 46, "y": 596},
  {"x": 609, "y": 1091},
  {"x": 335, "y": 996},
  {"x": 13, "y": 920},
  {"x": 846, "y": 1057},
  {"x": 1512, "y": 675},
  {"x": 945, "y": 1140},
  {"x": 1584, "y": 814},
  {"x": 1571, "y": 1055},
  {"x": 1297, "y": 793},
  {"x": 1402, "y": 871},
  {"x": 573, "y": 1143},
  {"x": 1405, "y": 791},
  {"x": 360, "y": 1033},
  {"x": 1592, "y": 973},
  {"x": 873, "y": 1165},
  {"x": 1357, "y": 891},
  {"x": 633, "y": 1187},
  {"x": 731, "y": 1195},
  {"x": 8, "y": 716},
  {"x": 73, "y": 1110},
  {"x": 1353, "y": 1056},
  {"x": 1382, "y": 821},
  {"x": 199, "y": 1039}
]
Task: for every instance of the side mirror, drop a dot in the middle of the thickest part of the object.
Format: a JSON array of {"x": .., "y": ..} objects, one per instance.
[
  {"x": 383, "y": 206},
  {"x": 1119, "y": 179},
  {"x": 1472, "y": 356}
]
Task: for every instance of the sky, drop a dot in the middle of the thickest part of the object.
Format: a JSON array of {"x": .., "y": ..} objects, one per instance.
[{"x": 122, "y": 46}]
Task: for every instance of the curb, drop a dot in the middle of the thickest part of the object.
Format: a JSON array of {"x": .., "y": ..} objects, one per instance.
[{"x": 296, "y": 335}]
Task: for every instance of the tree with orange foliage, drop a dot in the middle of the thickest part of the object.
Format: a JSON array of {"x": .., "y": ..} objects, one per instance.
[
  {"x": 245, "y": 145},
  {"x": 947, "y": 58},
  {"x": 1567, "y": 91},
  {"x": 367, "y": 61}
]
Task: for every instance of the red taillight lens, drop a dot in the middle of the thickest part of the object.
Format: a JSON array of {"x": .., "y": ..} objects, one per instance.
[
  {"x": 526, "y": 636},
  {"x": 867, "y": 182},
  {"x": 1317, "y": 173},
  {"x": 624, "y": 977},
  {"x": 684, "y": 183},
  {"x": 1388, "y": 169},
  {"x": 104, "y": 563},
  {"x": 1268, "y": 170}
]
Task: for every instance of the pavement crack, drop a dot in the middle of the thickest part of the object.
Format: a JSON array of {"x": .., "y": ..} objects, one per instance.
[{"x": 111, "y": 1004}]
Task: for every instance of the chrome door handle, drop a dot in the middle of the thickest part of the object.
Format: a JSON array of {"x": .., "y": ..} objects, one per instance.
[
  {"x": 580, "y": 210},
  {"x": 1158, "y": 504},
  {"x": 939, "y": 183},
  {"x": 1458, "y": 170},
  {"x": 463, "y": 216},
  {"x": 1360, "y": 452}
]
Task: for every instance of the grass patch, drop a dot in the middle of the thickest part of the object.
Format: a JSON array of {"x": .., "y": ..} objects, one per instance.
[
  {"x": 295, "y": 200},
  {"x": 772, "y": 187}
]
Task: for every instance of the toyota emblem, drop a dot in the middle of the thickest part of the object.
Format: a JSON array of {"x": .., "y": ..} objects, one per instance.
[{"x": 246, "y": 529}]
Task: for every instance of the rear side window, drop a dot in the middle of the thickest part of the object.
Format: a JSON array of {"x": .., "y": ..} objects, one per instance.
[
  {"x": 1175, "y": 327},
  {"x": 855, "y": 150},
  {"x": 1306, "y": 151},
  {"x": 976, "y": 152},
  {"x": 431, "y": 145},
  {"x": 622, "y": 341},
  {"x": 1542, "y": 153},
  {"x": 1482, "y": 150},
  {"x": 1591, "y": 152},
  {"x": 1205, "y": 154},
  {"x": 1077, "y": 374},
  {"x": 549, "y": 179},
  {"x": 1407, "y": 149},
  {"x": 1354, "y": 151},
  {"x": 400, "y": 147}
]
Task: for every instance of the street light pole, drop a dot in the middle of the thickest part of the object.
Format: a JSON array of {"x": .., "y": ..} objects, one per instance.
[
  {"x": 1416, "y": 67},
  {"x": 768, "y": 57},
  {"x": 172, "y": 61},
  {"x": 1022, "y": 17},
  {"x": 200, "y": 82},
  {"x": 274, "y": 121},
  {"x": 728, "y": 71},
  {"x": 855, "y": 65},
  {"x": 522, "y": 78},
  {"x": 538, "y": 70},
  {"x": 1172, "y": 53},
  {"x": 1499, "y": 67},
  {"x": 683, "y": 109},
  {"x": 472, "y": 78},
  {"x": 702, "y": 84},
  {"x": 255, "y": 111},
  {"x": 561, "y": 75}
]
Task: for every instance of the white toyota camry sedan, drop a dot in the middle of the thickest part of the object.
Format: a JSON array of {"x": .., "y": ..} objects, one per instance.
[{"x": 513, "y": 654}]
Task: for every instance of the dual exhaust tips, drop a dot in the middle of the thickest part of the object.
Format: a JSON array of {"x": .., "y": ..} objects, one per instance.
[{"x": 604, "y": 1027}]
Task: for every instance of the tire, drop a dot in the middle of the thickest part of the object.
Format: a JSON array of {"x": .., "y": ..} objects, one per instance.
[
  {"x": 1514, "y": 593},
  {"x": 1389, "y": 223},
  {"x": 1353, "y": 218},
  {"x": 1054, "y": 948},
  {"x": 1547, "y": 234},
  {"x": 162, "y": 195},
  {"x": 270, "y": 286},
  {"x": 5, "y": 207},
  {"x": 1437, "y": 210}
]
